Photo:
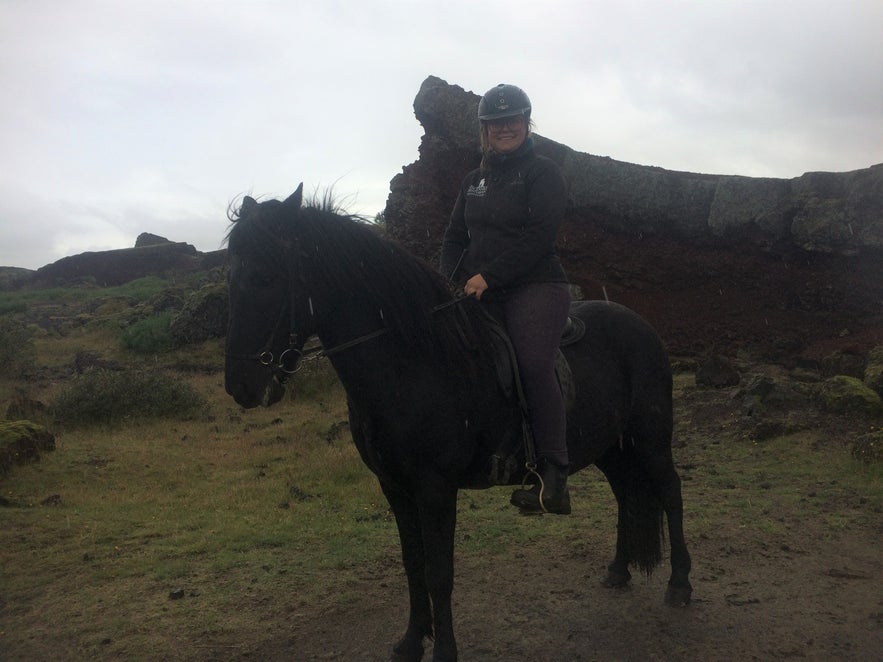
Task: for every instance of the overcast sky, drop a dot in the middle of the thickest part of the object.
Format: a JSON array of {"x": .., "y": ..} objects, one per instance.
[{"x": 128, "y": 116}]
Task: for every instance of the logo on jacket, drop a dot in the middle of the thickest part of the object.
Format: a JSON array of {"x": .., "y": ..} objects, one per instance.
[{"x": 477, "y": 191}]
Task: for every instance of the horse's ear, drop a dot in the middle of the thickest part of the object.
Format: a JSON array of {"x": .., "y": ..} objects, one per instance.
[
  {"x": 296, "y": 198},
  {"x": 248, "y": 203}
]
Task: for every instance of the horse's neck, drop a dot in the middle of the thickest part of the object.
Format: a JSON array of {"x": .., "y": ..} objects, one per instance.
[{"x": 342, "y": 318}]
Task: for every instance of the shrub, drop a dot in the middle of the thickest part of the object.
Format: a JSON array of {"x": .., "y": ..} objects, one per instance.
[
  {"x": 18, "y": 356},
  {"x": 111, "y": 396},
  {"x": 150, "y": 336},
  {"x": 9, "y": 307}
]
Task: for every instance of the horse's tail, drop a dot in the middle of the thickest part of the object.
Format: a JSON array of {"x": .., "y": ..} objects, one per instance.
[{"x": 641, "y": 522}]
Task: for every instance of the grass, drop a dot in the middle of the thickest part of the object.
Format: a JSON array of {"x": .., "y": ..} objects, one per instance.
[
  {"x": 246, "y": 505},
  {"x": 138, "y": 290},
  {"x": 765, "y": 489}
]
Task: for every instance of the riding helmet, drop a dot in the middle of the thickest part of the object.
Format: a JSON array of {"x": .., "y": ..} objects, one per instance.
[{"x": 503, "y": 101}]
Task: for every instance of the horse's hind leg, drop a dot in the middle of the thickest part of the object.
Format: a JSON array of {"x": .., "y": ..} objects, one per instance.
[
  {"x": 614, "y": 469},
  {"x": 663, "y": 470},
  {"x": 657, "y": 466},
  {"x": 660, "y": 466}
]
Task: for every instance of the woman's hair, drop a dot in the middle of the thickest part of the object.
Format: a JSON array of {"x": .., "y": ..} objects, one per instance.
[{"x": 485, "y": 143}]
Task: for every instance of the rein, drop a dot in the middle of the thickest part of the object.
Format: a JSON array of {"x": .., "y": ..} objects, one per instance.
[{"x": 321, "y": 352}]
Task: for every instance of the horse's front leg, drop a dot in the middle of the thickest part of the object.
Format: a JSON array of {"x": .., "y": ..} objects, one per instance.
[
  {"x": 437, "y": 501},
  {"x": 410, "y": 647}
]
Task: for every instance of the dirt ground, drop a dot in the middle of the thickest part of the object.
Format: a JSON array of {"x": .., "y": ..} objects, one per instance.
[
  {"x": 803, "y": 590},
  {"x": 750, "y": 603}
]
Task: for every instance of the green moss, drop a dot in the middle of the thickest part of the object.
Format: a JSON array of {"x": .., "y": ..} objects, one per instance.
[
  {"x": 874, "y": 371},
  {"x": 847, "y": 395},
  {"x": 21, "y": 441}
]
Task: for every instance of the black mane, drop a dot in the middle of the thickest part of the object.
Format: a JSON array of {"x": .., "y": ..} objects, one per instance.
[{"x": 342, "y": 252}]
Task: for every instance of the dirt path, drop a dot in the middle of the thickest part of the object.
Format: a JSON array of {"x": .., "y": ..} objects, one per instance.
[
  {"x": 792, "y": 600},
  {"x": 800, "y": 581}
]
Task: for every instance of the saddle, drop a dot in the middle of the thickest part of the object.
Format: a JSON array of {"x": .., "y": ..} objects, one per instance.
[{"x": 509, "y": 458}]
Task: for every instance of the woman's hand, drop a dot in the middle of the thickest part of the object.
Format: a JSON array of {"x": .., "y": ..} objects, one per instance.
[{"x": 475, "y": 286}]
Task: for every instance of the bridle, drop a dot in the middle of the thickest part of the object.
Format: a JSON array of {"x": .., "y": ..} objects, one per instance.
[{"x": 290, "y": 360}]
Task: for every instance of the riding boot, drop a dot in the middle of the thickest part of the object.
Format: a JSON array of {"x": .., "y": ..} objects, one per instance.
[{"x": 553, "y": 487}]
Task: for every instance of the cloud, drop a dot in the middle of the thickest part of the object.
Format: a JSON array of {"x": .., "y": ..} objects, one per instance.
[{"x": 123, "y": 118}]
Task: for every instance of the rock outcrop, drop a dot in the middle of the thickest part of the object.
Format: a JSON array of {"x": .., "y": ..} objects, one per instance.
[
  {"x": 150, "y": 239},
  {"x": 152, "y": 256},
  {"x": 793, "y": 266}
]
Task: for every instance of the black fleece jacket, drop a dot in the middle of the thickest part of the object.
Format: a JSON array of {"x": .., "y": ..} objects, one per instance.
[{"x": 506, "y": 218}]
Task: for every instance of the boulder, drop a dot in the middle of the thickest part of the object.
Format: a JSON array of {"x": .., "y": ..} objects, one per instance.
[
  {"x": 873, "y": 377},
  {"x": 203, "y": 316},
  {"x": 843, "y": 363},
  {"x": 22, "y": 441},
  {"x": 847, "y": 395},
  {"x": 718, "y": 372},
  {"x": 148, "y": 239}
]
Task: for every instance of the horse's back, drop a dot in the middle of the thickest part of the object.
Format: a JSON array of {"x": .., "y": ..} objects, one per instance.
[
  {"x": 615, "y": 326},
  {"x": 623, "y": 379}
]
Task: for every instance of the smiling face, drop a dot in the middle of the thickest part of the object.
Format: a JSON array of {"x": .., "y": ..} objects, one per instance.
[{"x": 506, "y": 134}]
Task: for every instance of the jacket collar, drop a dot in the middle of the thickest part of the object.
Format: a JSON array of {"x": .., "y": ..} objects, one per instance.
[{"x": 496, "y": 160}]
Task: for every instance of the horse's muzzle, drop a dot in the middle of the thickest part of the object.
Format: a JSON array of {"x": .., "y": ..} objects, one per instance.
[{"x": 252, "y": 387}]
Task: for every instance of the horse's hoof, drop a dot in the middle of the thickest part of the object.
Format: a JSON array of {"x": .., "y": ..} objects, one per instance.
[
  {"x": 614, "y": 579},
  {"x": 407, "y": 651},
  {"x": 678, "y": 596}
]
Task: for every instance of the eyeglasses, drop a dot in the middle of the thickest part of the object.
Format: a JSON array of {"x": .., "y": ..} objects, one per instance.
[{"x": 514, "y": 122}]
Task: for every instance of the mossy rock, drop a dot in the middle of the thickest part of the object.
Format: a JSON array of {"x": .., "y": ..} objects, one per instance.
[
  {"x": 874, "y": 370},
  {"x": 24, "y": 408},
  {"x": 718, "y": 372},
  {"x": 204, "y": 316},
  {"x": 842, "y": 394},
  {"x": 843, "y": 363},
  {"x": 22, "y": 441}
]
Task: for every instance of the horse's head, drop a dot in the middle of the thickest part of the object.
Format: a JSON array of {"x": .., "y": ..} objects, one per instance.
[{"x": 270, "y": 316}]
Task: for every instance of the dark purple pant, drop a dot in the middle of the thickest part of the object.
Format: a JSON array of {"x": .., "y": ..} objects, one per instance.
[{"x": 534, "y": 316}]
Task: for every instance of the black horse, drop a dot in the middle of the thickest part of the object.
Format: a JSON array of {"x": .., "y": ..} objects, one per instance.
[{"x": 427, "y": 412}]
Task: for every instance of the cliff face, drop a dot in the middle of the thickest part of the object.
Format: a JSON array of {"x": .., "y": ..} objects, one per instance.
[{"x": 787, "y": 267}]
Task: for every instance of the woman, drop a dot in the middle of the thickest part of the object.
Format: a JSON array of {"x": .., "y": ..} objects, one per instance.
[{"x": 501, "y": 243}]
